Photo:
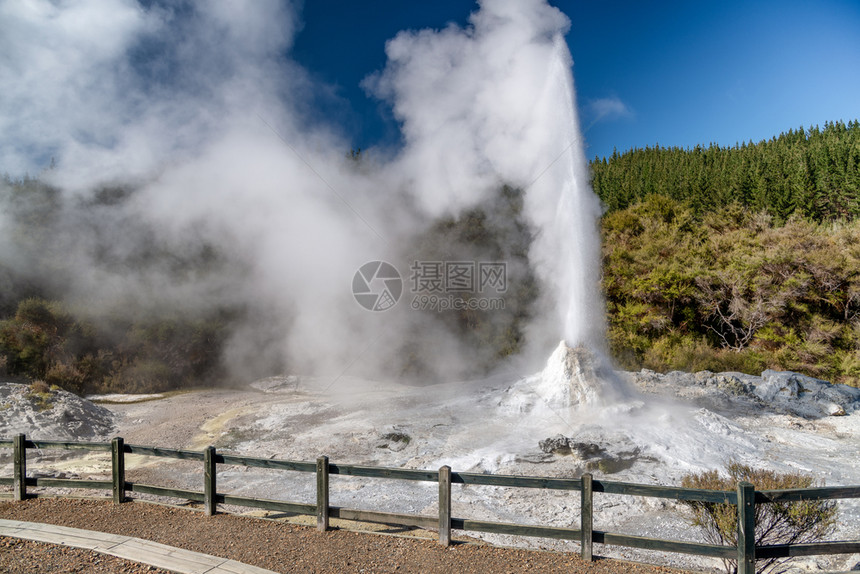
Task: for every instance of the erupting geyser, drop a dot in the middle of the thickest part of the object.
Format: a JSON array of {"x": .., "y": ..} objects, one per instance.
[
  {"x": 578, "y": 371},
  {"x": 571, "y": 234},
  {"x": 494, "y": 103},
  {"x": 577, "y": 376}
]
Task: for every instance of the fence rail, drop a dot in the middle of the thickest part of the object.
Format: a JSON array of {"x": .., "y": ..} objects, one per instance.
[{"x": 745, "y": 498}]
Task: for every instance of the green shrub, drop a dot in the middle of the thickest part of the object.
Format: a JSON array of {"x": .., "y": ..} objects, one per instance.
[
  {"x": 39, "y": 388},
  {"x": 139, "y": 376},
  {"x": 67, "y": 375},
  {"x": 35, "y": 337},
  {"x": 41, "y": 394},
  {"x": 731, "y": 290},
  {"x": 775, "y": 522}
]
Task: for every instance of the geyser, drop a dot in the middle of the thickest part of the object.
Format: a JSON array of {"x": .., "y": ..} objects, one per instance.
[
  {"x": 201, "y": 118},
  {"x": 567, "y": 252},
  {"x": 566, "y": 209}
]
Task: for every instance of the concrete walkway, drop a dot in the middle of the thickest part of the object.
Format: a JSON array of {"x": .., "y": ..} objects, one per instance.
[{"x": 144, "y": 551}]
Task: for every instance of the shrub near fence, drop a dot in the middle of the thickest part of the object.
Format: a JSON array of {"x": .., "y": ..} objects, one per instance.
[{"x": 745, "y": 498}]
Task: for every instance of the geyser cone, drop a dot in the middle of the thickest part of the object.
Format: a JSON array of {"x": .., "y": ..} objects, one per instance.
[{"x": 577, "y": 376}]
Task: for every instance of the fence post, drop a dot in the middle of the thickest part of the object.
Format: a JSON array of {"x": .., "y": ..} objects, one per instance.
[
  {"x": 746, "y": 528},
  {"x": 118, "y": 469},
  {"x": 209, "y": 481},
  {"x": 445, "y": 506},
  {"x": 19, "y": 479},
  {"x": 586, "y": 518},
  {"x": 322, "y": 493}
]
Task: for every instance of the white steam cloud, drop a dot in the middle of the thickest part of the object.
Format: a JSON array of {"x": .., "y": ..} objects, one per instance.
[{"x": 196, "y": 105}]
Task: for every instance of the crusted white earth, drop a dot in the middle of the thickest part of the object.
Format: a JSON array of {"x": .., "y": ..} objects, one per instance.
[{"x": 53, "y": 414}]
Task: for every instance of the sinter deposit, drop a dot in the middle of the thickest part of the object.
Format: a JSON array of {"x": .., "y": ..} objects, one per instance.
[{"x": 51, "y": 414}]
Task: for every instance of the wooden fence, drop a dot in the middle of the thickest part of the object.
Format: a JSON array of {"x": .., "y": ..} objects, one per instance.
[{"x": 745, "y": 498}]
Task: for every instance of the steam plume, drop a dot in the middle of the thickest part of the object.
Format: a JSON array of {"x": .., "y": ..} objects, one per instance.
[{"x": 196, "y": 106}]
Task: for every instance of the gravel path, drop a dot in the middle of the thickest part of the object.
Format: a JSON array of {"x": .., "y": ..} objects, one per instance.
[
  {"x": 277, "y": 546},
  {"x": 26, "y": 557}
]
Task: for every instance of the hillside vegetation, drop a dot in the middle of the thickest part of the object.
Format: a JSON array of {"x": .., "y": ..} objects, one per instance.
[{"x": 736, "y": 259}]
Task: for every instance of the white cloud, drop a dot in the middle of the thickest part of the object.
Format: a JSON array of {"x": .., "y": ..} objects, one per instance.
[{"x": 607, "y": 109}]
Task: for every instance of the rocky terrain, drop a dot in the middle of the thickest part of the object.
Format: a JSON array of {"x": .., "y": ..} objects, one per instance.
[
  {"x": 773, "y": 391},
  {"x": 51, "y": 414}
]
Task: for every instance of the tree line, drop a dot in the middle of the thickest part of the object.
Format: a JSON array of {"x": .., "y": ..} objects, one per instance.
[
  {"x": 741, "y": 259},
  {"x": 813, "y": 173}
]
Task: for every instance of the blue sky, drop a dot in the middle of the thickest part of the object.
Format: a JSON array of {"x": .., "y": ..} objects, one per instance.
[{"x": 668, "y": 73}]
